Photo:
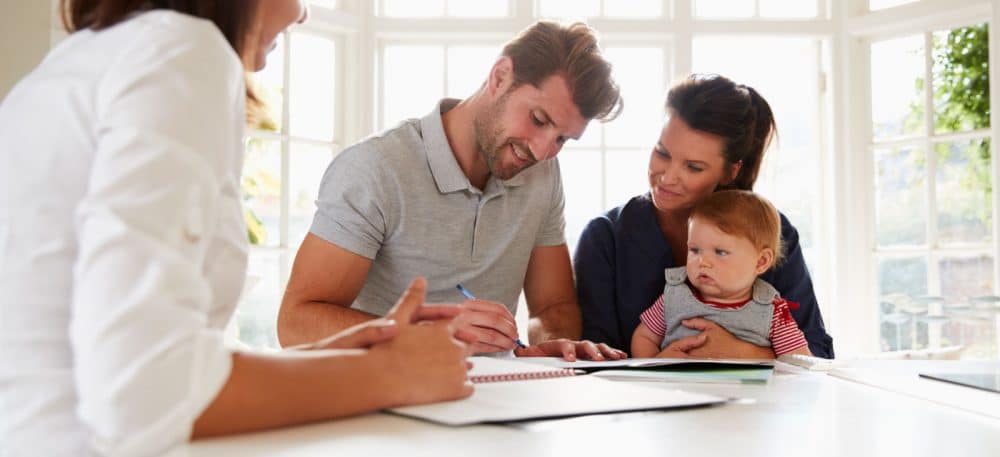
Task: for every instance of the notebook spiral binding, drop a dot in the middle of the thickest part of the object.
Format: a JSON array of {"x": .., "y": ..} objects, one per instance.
[{"x": 479, "y": 379}]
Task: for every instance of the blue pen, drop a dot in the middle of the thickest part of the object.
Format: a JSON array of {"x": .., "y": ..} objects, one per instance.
[{"x": 465, "y": 292}]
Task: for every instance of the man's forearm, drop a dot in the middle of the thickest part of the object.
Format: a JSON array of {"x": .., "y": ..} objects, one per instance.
[
  {"x": 555, "y": 321},
  {"x": 310, "y": 321}
]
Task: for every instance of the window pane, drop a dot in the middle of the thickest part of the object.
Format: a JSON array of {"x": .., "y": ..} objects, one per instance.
[
  {"x": 569, "y": 8},
  {"x": 791, "y": 9},
  {"x": 961, "y": 79},
  {"x": 794, "y": 98},
  {"x": 414, "y": 82},
  {"x": 468, "y": 68},
  {"x": 901, "y": 196},
  {"x": 311, "y": 90},
  {"x": 897, "y": 87},
  {"x": 633, "y": 8},
  {"x": 876, "y": 5},
  {"x": 330, "y": 4},
  {"x": 963, "y": 278},
  {"x": 307, "y": 163},
  {"x": 580, "y": 168},
  {"x": 626, "y": 175},
  {"x": 723, "y": 9},
  {"x": 964, "y": 186},
  {"x": 639, "y": 71},
  {"x": 970, "y": 316},
  {"x": 269, "y": 84},
  {"x": 478, "y": 8},
  {"x": 256, "y": 315},
  {"x": 901, "y": 279},
  {"x": 413, "y": 8},
  {"x": 262, "y": 190}
]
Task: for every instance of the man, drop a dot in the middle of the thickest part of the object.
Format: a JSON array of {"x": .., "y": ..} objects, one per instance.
[{"x": 466, "y": 195}]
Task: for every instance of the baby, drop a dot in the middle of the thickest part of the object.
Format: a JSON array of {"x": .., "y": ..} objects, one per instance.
[{"x": 733, "y": 237}]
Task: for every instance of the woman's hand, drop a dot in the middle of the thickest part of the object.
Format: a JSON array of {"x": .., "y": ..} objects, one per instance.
[
  {"x": 571, "y": 350},
  {"x": 366, "y": 334},
  {"x": 424, "y": 362},
  {"x": 718, "y": 343}
]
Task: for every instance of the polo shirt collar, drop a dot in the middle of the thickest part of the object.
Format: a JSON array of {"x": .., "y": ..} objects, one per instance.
[{"x": 448, "y": 176}]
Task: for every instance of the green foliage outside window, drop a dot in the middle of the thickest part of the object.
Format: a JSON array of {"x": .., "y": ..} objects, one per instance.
[{"x": 961, "y": 103}]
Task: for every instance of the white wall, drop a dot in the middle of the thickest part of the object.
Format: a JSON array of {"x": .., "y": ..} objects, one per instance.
[{"x": 25, "y": 35}]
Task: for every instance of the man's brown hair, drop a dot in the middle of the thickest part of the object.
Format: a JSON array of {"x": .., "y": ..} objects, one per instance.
[
  {"x": 745, "y": 214},
  {"x": 548, "y": 48}
]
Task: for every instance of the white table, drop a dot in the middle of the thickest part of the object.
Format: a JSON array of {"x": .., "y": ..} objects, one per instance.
[{"x": 797, "y": 413}]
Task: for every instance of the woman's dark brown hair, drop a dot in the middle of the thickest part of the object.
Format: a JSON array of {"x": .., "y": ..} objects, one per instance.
[
  {"x": 735, "y": 112},
  {"x": 236, "y": 19}
]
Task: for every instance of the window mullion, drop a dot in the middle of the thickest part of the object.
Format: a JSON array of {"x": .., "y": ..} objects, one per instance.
[{"x": 933, "y": 271}]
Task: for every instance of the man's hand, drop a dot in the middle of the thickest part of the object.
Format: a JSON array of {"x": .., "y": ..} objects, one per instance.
[
  {"x": 490, "y": 325},
  {"x": 571, "y": 350}
]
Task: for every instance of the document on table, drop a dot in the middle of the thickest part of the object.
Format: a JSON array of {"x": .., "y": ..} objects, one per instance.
[{"x": 552, "y": 398}]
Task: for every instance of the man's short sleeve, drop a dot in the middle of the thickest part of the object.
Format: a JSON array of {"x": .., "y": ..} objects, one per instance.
[
  {"x": 553, "y": 229},
  {"x": 351, "y": 209}
]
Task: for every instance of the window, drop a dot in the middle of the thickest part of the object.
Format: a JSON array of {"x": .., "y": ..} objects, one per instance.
[
  {"x": 875, "y": 5},
  {"x": 931, "y": 148},
  {"x": 616, "y": 154},
  {"x": 763, "y": 9},
  {"x": 446, "y": 8},
  {"x": 286, "y": 153},
  {"x": 625, "y": 9},
  {"x": 445, "y": 55},
  {"x": 790, "y": 172}
]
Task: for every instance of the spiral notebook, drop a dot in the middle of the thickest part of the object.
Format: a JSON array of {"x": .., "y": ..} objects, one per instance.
[
  {"x": 491, "y": 369},
  {"x": 541, "y": 392}
]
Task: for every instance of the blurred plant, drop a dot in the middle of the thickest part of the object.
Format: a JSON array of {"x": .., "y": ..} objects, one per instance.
[{"x": 257, "y": 181}]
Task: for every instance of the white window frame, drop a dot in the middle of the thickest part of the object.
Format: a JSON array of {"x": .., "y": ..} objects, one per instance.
[{"x": 854, "y": 179}]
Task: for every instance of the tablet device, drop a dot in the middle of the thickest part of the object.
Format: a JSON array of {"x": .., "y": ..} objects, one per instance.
[{"x": 985, "y": 381}]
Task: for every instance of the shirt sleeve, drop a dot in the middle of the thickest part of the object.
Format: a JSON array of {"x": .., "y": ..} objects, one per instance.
[
  {"x": 553, "y": 229},
  {"x": 351, "y": 210},
  {"x": 594, "y": 265},
  {"x": 146, "y": 363},
  {"x": 653, "y": 318},
  {"x": 791, "y": 279},
  {"x": 785, "y": 335}
]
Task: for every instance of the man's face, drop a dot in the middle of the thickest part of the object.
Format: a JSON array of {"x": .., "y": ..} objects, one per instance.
[{"x": 526, "y": 125}]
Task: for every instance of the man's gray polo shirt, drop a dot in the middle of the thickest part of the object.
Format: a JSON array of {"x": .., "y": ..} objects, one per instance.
[{"x": 400, "y": 199}]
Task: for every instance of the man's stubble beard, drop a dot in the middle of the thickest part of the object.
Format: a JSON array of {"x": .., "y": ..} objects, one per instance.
[{"x": 488, "y": 132}]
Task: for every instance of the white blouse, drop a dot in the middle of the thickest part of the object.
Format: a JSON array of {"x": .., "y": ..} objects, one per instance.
[{"x": 122, "y": 243}]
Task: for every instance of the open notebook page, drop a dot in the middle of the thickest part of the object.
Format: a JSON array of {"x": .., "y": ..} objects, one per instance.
[{"x": 552, "y": 398}]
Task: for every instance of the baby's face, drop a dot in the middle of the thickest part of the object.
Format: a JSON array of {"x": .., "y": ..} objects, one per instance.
[{"x": 721, "y": 266}]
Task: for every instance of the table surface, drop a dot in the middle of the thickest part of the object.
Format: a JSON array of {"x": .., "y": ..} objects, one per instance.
[{"x": 797, "y": 413}]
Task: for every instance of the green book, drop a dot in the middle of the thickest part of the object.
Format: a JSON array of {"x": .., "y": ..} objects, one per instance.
[
  {"x": 707, "y": 374},
  {"x": 727, "y": 371}
]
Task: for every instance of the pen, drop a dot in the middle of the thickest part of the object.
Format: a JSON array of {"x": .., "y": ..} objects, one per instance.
[{"x": 465, "y": 292}]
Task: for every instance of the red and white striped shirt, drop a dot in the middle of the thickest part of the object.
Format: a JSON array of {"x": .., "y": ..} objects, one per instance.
[{"x": 785, "y": 335}]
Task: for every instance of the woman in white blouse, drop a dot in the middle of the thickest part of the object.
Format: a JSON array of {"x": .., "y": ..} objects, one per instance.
[{"x": 123, "y": 250}]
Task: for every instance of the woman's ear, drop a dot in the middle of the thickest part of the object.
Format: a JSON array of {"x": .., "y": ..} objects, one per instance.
[
  {"x": 501, "y": 77},
  {"x": 765, "y": 259},
  {"x": 734, "y": 171}
]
